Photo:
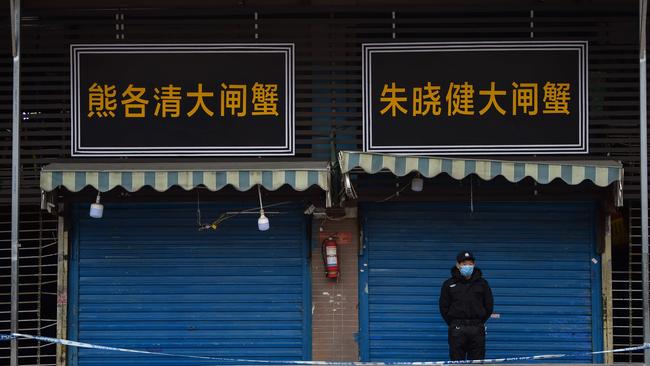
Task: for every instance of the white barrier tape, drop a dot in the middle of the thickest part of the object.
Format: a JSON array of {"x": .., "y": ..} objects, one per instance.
[{"x": 243, "y": 360}]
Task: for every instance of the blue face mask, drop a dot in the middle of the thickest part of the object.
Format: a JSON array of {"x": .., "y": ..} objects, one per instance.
[{"x": 466, "y": 270}]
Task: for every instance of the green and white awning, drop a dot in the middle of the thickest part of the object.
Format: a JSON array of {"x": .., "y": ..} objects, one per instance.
[
  {"x": 162, "y": 176},
  {"x": 601, "y": 173}
]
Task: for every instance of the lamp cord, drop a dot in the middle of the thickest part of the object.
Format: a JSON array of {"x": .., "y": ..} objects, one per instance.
[
  {"x": 471, "y": 193},
  {"x": 259, "y": 194},
  {"x": 198, "y": 209}
]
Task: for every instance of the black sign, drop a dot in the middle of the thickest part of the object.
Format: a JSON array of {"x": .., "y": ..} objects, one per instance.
[
  {"x": 182, "y": 100},
  {"x": 475, "y": 98}
]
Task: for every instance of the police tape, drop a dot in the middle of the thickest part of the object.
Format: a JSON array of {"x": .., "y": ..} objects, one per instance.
[{"x": 66, "y": 342}]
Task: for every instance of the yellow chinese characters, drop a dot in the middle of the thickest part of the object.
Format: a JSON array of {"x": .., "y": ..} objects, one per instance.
[
  {"x": 390, "y": 95},
  {"x": 556, "y": 98},
  {"x": 492, "y": 93},
  {"x": 101, "y": 100},
  {"x": 199, "y": 95},
  {"x": 519, "y": 98},
  {"x": 233, "y": 97},
  {"x": 168, "y": 101},
  {"x": 460, "y": 99},
  {"x": 265, "y": 99},
  {"x": 134, "y": 105},
  {"x": 427, "y": 100},
  {"x": 524, "y": 97}
]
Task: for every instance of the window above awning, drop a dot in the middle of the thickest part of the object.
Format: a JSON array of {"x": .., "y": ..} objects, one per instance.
[
  {"x": 601, "y": 172},
  {"x": 162, "y": 176}
]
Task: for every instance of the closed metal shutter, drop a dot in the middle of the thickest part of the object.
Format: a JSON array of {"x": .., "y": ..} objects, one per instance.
[
  {"x": 538, "y": 258},
  {"x": 144, "y": 277}
]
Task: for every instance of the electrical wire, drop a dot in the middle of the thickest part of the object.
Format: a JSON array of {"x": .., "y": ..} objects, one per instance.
[
  {"x": 198, "y": 209},
  {"x": 259, "y": 194},
  {"x": 471, "y": 193},
  {"x": 396, "y": 194},
  {"x": 224, "y": 216}
]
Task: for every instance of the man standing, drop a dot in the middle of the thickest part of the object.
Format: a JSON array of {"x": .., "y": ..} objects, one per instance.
[{"x": 466, "y": 304}]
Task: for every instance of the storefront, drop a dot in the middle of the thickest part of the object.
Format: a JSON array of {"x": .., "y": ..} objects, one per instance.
[
  {"x": 539, "y": 259},
  {"x": 541, "y": 254},
  {"x": 187, "y": 162},
  {"x": 144, "y": 275},
  {"x": 158, "y": 273},
  {"x": 194, "y": 278}
]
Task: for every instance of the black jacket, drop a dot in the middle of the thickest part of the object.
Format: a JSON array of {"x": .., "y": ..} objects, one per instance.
[{"x": 466, "y": 299}]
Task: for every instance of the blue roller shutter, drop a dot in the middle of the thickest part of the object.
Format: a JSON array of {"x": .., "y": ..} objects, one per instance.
[
  {"x": 538, "y": 258},
  {"x": 144, "y": 277}
]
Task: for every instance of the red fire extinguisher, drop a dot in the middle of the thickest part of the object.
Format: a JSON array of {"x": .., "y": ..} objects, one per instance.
[{"x": 330, "y": 257}]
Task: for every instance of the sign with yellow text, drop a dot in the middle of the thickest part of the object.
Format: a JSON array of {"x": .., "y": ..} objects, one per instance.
[
  {"x": 182, "y": 100},
  {"x": 475, "y": 98}
]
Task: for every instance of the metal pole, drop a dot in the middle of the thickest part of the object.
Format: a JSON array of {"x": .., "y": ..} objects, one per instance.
[
  {"x": 15, "y": 174},
  {"x": 644, "y": 174}
]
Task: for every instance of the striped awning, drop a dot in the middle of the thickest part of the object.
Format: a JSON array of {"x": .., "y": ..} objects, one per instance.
[
  {"x": 600, "y": 172},
  {"x": 162, "y": 176}
]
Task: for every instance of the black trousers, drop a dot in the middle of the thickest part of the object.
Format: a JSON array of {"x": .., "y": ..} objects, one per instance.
[{"x": 466, "y": 342}]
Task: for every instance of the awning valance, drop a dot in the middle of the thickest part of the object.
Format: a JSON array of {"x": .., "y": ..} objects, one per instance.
[
  {"x": 162, "y": 176},
  {"x": 600, "y": 172}
]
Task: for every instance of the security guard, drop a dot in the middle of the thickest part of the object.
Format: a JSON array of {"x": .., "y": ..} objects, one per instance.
[{"x": 466, "y": 304}]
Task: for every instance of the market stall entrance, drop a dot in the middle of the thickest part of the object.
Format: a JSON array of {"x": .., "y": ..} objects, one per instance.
[
  {"x": 539, "y": 256},
  {"x": 145, "y": 276}
]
